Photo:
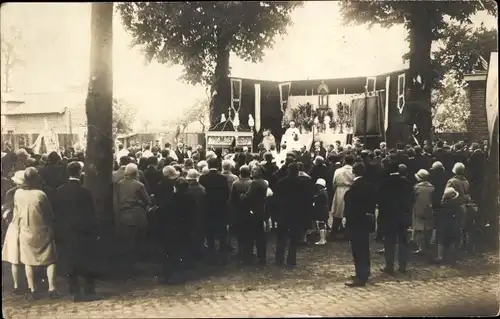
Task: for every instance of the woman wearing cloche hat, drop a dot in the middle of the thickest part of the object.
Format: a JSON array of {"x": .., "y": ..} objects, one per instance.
[
  {"x": 447, "y": 223},
  {"x": 422, "y": 210}
]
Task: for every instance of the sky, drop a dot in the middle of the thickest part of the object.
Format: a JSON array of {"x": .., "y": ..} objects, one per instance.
[{"x": 318, "y": 45}]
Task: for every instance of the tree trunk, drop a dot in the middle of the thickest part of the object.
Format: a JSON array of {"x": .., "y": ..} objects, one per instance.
[
  {"x": 99, "y": 109},
  {"x": 421, "y": 37},
  {"x": 220, "y": 102}
]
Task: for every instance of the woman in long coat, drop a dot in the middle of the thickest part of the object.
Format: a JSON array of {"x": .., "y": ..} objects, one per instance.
[
  {"x": 10, "y": 249},
  {"x": 34, "y": 219},
  {"x": 422, "y": 210},
  {"x": 342, "y": 181}
]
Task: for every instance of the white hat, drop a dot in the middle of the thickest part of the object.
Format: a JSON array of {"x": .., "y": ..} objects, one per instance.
[
  {"x": 18, "y": 178},
  {"x": 192, "y": 175},
  {"x": 458, "y": 168},
  {"x": 170, "y": 172},
  {"x": 321, "y": 182},
  {"x": 131, "y": 169},
  {"x": 436, "y": 165},
  {"x": 422, "y": 175}
]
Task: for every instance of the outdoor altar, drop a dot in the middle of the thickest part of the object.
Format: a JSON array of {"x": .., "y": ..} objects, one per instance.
[{"x": 323, "y": 117}]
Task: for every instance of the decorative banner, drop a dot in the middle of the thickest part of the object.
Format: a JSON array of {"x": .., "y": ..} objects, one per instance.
[
  {"x": 257, "y": 107},
  {"x": 386, "y": 108},
  {"x": 401, "y": 92},
  {"x": 220, "y": 140},
  {"x": 244, "y": 140},
  {"x": 284, "y": 94}
]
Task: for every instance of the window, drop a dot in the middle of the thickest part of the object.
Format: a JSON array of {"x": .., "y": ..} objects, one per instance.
[
  {"x": 323, "y": 95},
  {"x": 401, "y": 92},
  {"x": 284, "y": 94},
  {"x": 371, "y": 84}
]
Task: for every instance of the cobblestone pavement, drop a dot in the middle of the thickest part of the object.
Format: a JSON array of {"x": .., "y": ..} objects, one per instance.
[{"x": 314, "y": 288}]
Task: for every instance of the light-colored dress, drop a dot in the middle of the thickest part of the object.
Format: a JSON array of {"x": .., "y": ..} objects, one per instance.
[
  {"x": 342, "y": 181},
  {"x": 422, "y": 208},
  {"x": 30, "y": 237}
]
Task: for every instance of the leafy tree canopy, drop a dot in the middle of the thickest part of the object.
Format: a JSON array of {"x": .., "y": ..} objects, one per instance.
[
  {"x": 451, "y": 107},
  {"x": 123, "y": 117},
  {"x": 199, "y": 112},
  {"x": 193, "y": 33},
  {"x": 438, "y": 15},
  {"x": 388, "y": 13},
  {"x": 462, "y": 48}
]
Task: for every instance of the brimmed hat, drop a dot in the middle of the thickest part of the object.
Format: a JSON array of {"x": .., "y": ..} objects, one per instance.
[
  {"x": 170, "y": 172},
  {"x": 450, "y": 193},
  {"x": 18, "y": 177},
  {"x": 437, "y": 165},
  {"x": 192, "y": 175},
  {"x": 422, "y": 175},
  {"x": 321, "y": 182},
  {"x": 458, "y": 169},
  {"x": 131, "y": 169}
]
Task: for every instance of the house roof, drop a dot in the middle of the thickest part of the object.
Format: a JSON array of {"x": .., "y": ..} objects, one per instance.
[{"x": 42, "y": 103}]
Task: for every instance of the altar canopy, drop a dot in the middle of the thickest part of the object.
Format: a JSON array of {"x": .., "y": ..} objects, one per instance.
[{"x": 492, "y": 94}]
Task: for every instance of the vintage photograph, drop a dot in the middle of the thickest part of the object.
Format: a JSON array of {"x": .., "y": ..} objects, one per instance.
[{"x": 241, "y": 159}]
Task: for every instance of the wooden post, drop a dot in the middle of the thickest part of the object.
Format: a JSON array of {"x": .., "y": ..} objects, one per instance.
[{"x": 365, "y": 122}]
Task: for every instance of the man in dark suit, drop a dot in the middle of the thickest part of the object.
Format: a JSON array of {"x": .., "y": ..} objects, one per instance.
[
  {"x": 305, "y": 157},
  {"x": 241, "y": 214},
  {"x": 395, "y": 202},
  {"x": 75, "y": 221},
  {"x": 475, "y": 172},
  {"x": 216, "y": 219},
  {"x": 181, "y": 153},
  {"x": 296, "y": 196},
  {"x": 255, "y": 200},
  {"x": 360, "y": 222}
]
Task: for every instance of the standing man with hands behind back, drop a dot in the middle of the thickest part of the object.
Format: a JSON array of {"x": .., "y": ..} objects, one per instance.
[{"x": 360, "y": 222}]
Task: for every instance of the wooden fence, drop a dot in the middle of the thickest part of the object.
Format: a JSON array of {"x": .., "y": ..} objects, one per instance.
[{"x": 26, "y": 140}]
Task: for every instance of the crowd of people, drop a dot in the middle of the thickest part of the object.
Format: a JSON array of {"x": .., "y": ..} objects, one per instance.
[{"x": 192, "y": 201}]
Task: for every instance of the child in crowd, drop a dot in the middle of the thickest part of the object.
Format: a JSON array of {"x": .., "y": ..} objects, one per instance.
[{"x": 321, "y": 209}]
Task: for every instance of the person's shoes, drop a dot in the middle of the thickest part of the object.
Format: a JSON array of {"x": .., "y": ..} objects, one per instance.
[
  {"x": 356, "y": 283},
  {"x": 321, "y": 242},
  {"x": 87, "y": 297},
  {"x": 18, "y": 291},
  {"x": 388, "y": 271},
  {"x": 438, "y": 260},
  {"x": 54, "y": 294},
  {"x": 381, "y": 251},
  {"x": 418, "y": 252},
  {"x": 403, "y": 271},
  {"x": 33, "y": 296},
  {"x": 279, "y": 263}
]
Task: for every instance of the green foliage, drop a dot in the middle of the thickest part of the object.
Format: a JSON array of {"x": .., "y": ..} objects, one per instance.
[
  {"x": 192, "y": 34},
  {"x": 12, "y": 46},
  {"x": 199, "y": 112},
  {"x": 451, "y": 107},
  {"x": 123, "y": 117},
  {"x": 459, "y": 53},
  {"x": 440, "y": 15},
  {"x": 388, "y": 13}
]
